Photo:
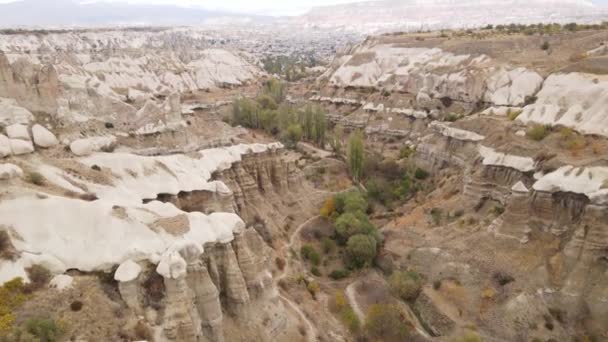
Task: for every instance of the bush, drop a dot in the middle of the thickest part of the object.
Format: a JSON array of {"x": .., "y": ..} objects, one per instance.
[
  {"x": 308, "y": 252},
  {"x": 421, "y": 174},
  {"x": 406, "y": 285},
  {"x": 11, "y": 297},
  {"x": 468, "y": 336},
  {"x": 46, "y": 330},
  {"x": 437, "y": 285},
  {"x": 537, "y": 132},
  {"x": 512, "y": 115},
  {"x": 294, "y": 134},
  {"x": 39, "y": 277},
  {"x": 350, "y": 224},
  {"x": 7, "y": 250},
  {"x": 361, "y": 250},
  {"x": 35, "y": 178},
  {"x": 339, "y": 274},
  {"x": 313, "y": 288},
  {"x": 328, "y": 245},
  {"x": 545, "y": 46},
  {"x": 406, "y": 152},
  {"x": 384, "y": 322},
  {"x": 338, "y": 304},
  {"x": 315, "y": 271},
  {"x": 328, "y": 208},
  {"x": 436, "y": 215}
]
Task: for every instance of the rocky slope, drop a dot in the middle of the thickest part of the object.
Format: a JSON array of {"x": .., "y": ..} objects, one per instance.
[{"x": 467, "y": 116}]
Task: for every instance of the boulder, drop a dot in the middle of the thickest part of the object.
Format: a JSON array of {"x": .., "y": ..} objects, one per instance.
[
  {"x": 61, "y": 282},
  {"x": 9, "y": 171},
  {"x": 18, "y": 131},
  {"x": 11, "y": 113},
  {"x": 19, "y": 147},
  {"x": 127, "y": 271},
  {"x": 5, "y": 147},
  {"x": 43, "y": 137},
  {"x": 84, "y": 147}
]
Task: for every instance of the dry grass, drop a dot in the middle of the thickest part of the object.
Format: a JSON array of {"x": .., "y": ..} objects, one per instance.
[{"x": 7, "y": 250}]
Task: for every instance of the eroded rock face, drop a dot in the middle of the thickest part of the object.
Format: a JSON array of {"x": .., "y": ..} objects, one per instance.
[
  {"x": 427, "y": 73},
  {"x": 35, "y": 87}
]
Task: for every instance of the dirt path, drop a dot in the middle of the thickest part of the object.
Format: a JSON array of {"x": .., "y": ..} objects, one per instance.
[
  {"x": 352, "y": 299},
  {"x": 294, "y": 241}
]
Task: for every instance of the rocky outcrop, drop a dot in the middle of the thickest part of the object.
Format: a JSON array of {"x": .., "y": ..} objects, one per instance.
[
  {"x": 432, "y": 73},
  {"x": 35, "y": 87}
]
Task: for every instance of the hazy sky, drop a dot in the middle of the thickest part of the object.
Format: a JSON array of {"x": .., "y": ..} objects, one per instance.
[{"x": 266, "y": 7}]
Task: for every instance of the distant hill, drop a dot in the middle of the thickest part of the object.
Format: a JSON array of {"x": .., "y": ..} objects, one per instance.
[
  {"x": 436, "y": 14},
  {"x": 67, "y": 13}
]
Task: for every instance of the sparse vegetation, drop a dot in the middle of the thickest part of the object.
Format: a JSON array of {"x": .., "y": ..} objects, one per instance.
[
  {"x": 339, "y": 305},
  {"x": 545, "y": 46},
  {"x": 12, "y": 295},
  {"x": 512, "y": 115},
  {"x": 309, "y": 253},
  {"x": 386, "y": 323},
  {"x": 421, "y": 174},
  {"x": 467, "y": 336},
  {"x": 538, "y": 132},
  {"x": 339, "y": 274},
  {"x": 7, "y": 250}
]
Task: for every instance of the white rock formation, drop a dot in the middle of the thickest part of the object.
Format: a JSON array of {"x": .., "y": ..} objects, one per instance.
[
  {"x": 61, "y": 282},
  {"x": 590, "y": 181},
  {"x": 575, "y": 100},
  {"x": 19, "y": 147},
  {"x": 456, "y": 133},
  {"x": 5, "y": 147},
  {"x": 131, "y": 231},
  {"x": 84, "y": 147},
  {"x": 11, "y": 113},
  {"x": 18, "y": 131},
  {"x": 127, "y": 271},
  {"x": 9, "y": 171},
  {"x": 491, "y": 157},
  {"x": 422, "y": 71},
  {"x": 43, "y": 137}
]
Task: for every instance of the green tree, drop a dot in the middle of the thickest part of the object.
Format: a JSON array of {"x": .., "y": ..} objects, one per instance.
[
  {"x": 384, "y": 323},
  {"x": 320, "y": 126},
  {"x": 275, "y": 89},
  {"x": 356, "y": 155},
  {"x": 406, "y": 285},
  {"x": 350, "y": 224},
  {"x": 294, "y": 134},
  {"x": 361, "y": 250},
  {"x": 336, "y": 139}
]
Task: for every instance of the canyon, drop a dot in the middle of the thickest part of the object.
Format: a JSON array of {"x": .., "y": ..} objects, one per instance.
[{"x": 158, "y": 218}]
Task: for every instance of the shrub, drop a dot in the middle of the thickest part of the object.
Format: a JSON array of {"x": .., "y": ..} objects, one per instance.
[
  {"x": 436, "y": 215},
  {"x": 7, "y": 250},
  {"x": 437, "y": 285},
  {"x": 294, "y": 134},
  {"x": 421, "y": 174},
  {"x": 46, "y": 330},
  {"x": 315, "y": 271},
  {"x": 406, "y": 152},
  {"x": 11, "y": 297},
  {"x": 406, "y": 285},
  {"x": 328, "y": 207},
  {"x": 384, "y": 322},
  {"x": 512, "y": 115},
  {"x": 545, "y": 46},
  {"x": 350, "y": 224},
  {"x": 498, "y": 210},
  {"x": 35, "y": 178},
  {"x": 361, "y": 250},
  {"x": 537, "y": 132},
  {"x": 468, "y": 336},
  {"x": 339, "y": 274},
  {"x": 313, "y": 288},
  {"x": 280, "y": 262},
  {"x": 308, "y": 252},
  {"x": 350, "y": 319},
  {"x": 39, "y": 277},
  {"x": 328, "y": 245}
]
